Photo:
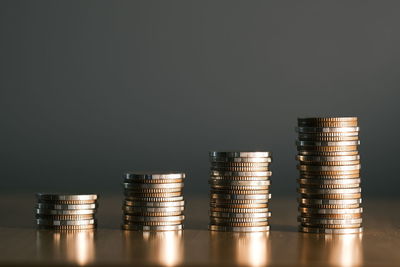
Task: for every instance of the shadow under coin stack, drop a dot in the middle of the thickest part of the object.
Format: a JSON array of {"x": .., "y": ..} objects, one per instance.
[
  {"x": 239, "y": 191},
  {"x": 66, "y": 211},
  {"x": 153, "y": 201},
  {"x": 329, "y": 183}
]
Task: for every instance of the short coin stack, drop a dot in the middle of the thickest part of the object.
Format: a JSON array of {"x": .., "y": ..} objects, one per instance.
[
  {"x": 329, "y": 183},
  {"x": 153, "y": 201},
  {"x": 66, "y": 211},
  {"x": 239, "y": 191}
]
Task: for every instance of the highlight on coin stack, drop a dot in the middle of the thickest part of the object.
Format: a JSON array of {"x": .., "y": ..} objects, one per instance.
[
  {"x": 66, "y": 211},
  {"x": 153, "y": 201},
  {"x": 329, "y": 182},
  {"x": 239, "y": 191}
]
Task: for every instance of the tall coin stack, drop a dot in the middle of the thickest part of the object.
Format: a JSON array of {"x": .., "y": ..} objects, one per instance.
[
  {"x": 239, "y": 191},
  {"x": 329, "y": 183},
  {"x": 153, "y": 201},
  {"x": 66, "y": 211}
]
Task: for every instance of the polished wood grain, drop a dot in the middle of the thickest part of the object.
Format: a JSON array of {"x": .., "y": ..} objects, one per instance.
[{"x": 22, "y": 244}]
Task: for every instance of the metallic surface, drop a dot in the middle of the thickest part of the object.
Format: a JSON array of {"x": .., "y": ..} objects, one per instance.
[{"x": 21, "y": 244}]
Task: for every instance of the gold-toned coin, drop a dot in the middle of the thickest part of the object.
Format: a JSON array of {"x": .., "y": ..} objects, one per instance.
[
  {"x": 154, "y": 199},
  {"x": 152, "y": 228},
  {"x": 327, "y": 158},
  {"x": 327, "y": 129},
  {"x": 326, "y": 119},
  {"x": 222, "y": 201},
  {"x": 153, "y": 191},
  {"x": 239, "y": 192},
  {"x": 314, "y": 201},
  {"x": 239, "y": 169},
  {"x": 151, "y": 195},
  {"x": 238, "y": 206},
  {"x": 52, "y": 222},
  {"x": 220, "y": 182},
  {"x": 332, "y": 226},
  {"x": 239, "y": 210},
  {"x": 150, "y": 223},
  {"x": 240, "y": 187},
  {"x": 155, "y": 181},
  {"x": 330, "y": 163},
  {"x": 240, "y": 224},
  {"x": 68, "y": 202},
  {"x": 306, "y": 152},
  {"x": 229, "y": 221},
  {"x": 152, "y": 214},
  {"x": 327, "y": 143},
  {"x": 330, "y": 231},
  {"x": 239, "y": 229},
  {"x": 65, "y": 217},
  {"x": 239, "y": 178},
  {"x": 330, "y": 173},
  {"x": 68, "y": 227},
  {"x": 166, "y": 204},
  {"x": 326, "y": 206},
  {"x": 152, "y": 210},
  {"x": 153, "y": 219},
  {"x": 329, "y": 186},
  {"x": 314, "y": 168},
  {"x": 316, "y": 137}
]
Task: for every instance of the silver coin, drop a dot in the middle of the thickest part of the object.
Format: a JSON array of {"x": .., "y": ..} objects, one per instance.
[
  {"x": 152, "y": 209},
  {"x": 240, "y": 215},
  {"x": 330, "y": 231},
  {"x": 234, "y": 221},
  {"x": 238, "y": 173},
  {"x": 79, "y": 197},
  {"x": 153, "y": 175},
  {"x": 249, "y": 197},
  {"x": 64, "y": 212},
  {"x": 220, "y": 201},
  {"x": 323, "y": 158},
  {"x": 152, "y": 228},
  {"x": 329, "y": 221},
  {"x": 327, "y": 143},
  {"x": 238, "y": 229},
  {"x": 239, "y": 178},
  {"x": 254, "y": 154},
  {"x": 154, "y": 219},
  {"x": 238, "y": 210},
  {"x": 154, "y": 204},
  {"x": 329, "y": 191},
  {"x": 328, "y": 181},
  {"x": 327, "y": 129},
  {"x": 241, "y": 160},
  {"x": 239, "y": 183},
  {"x": 321, "y": 153},
  {"x": 313, "y": 201},
  {"x": 330, "y": 211},
  {"x": 66, "y": 206},
  {"x": 65, "y": 222},
  {"x": 153, "y": 186}
]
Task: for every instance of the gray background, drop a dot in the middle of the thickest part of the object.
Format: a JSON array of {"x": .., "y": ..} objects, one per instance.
[{"x": 89, "y": 89}]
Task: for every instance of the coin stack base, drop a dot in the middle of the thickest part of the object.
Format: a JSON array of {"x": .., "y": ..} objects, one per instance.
[
  {"x": 239, "y": 191},
  {"x": 66, "y": 211},
  {"x": 329, "y": 183},
  {"x": 153, "y": 201}
]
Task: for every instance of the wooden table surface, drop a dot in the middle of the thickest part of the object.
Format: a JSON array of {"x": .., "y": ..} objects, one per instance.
[{"x": 22, "y": 244}]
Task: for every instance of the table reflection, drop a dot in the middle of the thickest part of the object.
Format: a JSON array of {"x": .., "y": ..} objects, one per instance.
[
  {"x": 250, "y": 249},
  {"x": 335, "y": 250},
  {"x": 160, "y": 248},
  {"x": 72, "y": 246}
]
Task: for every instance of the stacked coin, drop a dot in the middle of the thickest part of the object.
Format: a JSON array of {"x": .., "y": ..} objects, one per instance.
[
  {"x": 153, "y": 201},
  {"x": 66, "y": 211},
  {"x": 329, "y": 183},
  {"x": 239, "y": 191}
]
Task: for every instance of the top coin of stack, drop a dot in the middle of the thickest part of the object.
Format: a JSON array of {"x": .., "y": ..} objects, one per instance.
[
  {"x": 239, "y": 191},
  {"x": 66, "y": 211},
  {"x": 153, "y": 201},
  {"x": 329, "y": 183}
]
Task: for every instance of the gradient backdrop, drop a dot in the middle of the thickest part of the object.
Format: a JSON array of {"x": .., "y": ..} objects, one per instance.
[{"x": 89, "y": 89}]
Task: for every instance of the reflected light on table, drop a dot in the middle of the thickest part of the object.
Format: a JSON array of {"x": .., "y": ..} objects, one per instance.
[
  {"x": 336, "y": 250},
  {"x": 73, "y": 246},
  {"x": 250, "y": 249},
  {"x": 160, "y": 248}
]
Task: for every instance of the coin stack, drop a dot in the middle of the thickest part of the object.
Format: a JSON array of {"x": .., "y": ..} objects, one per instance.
[
  {"x": 329, "y": 183},
  {"x": 153, "y": 201},
  {"x": 66, "y": 211},
  {"x": 239, "y": 191}
]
